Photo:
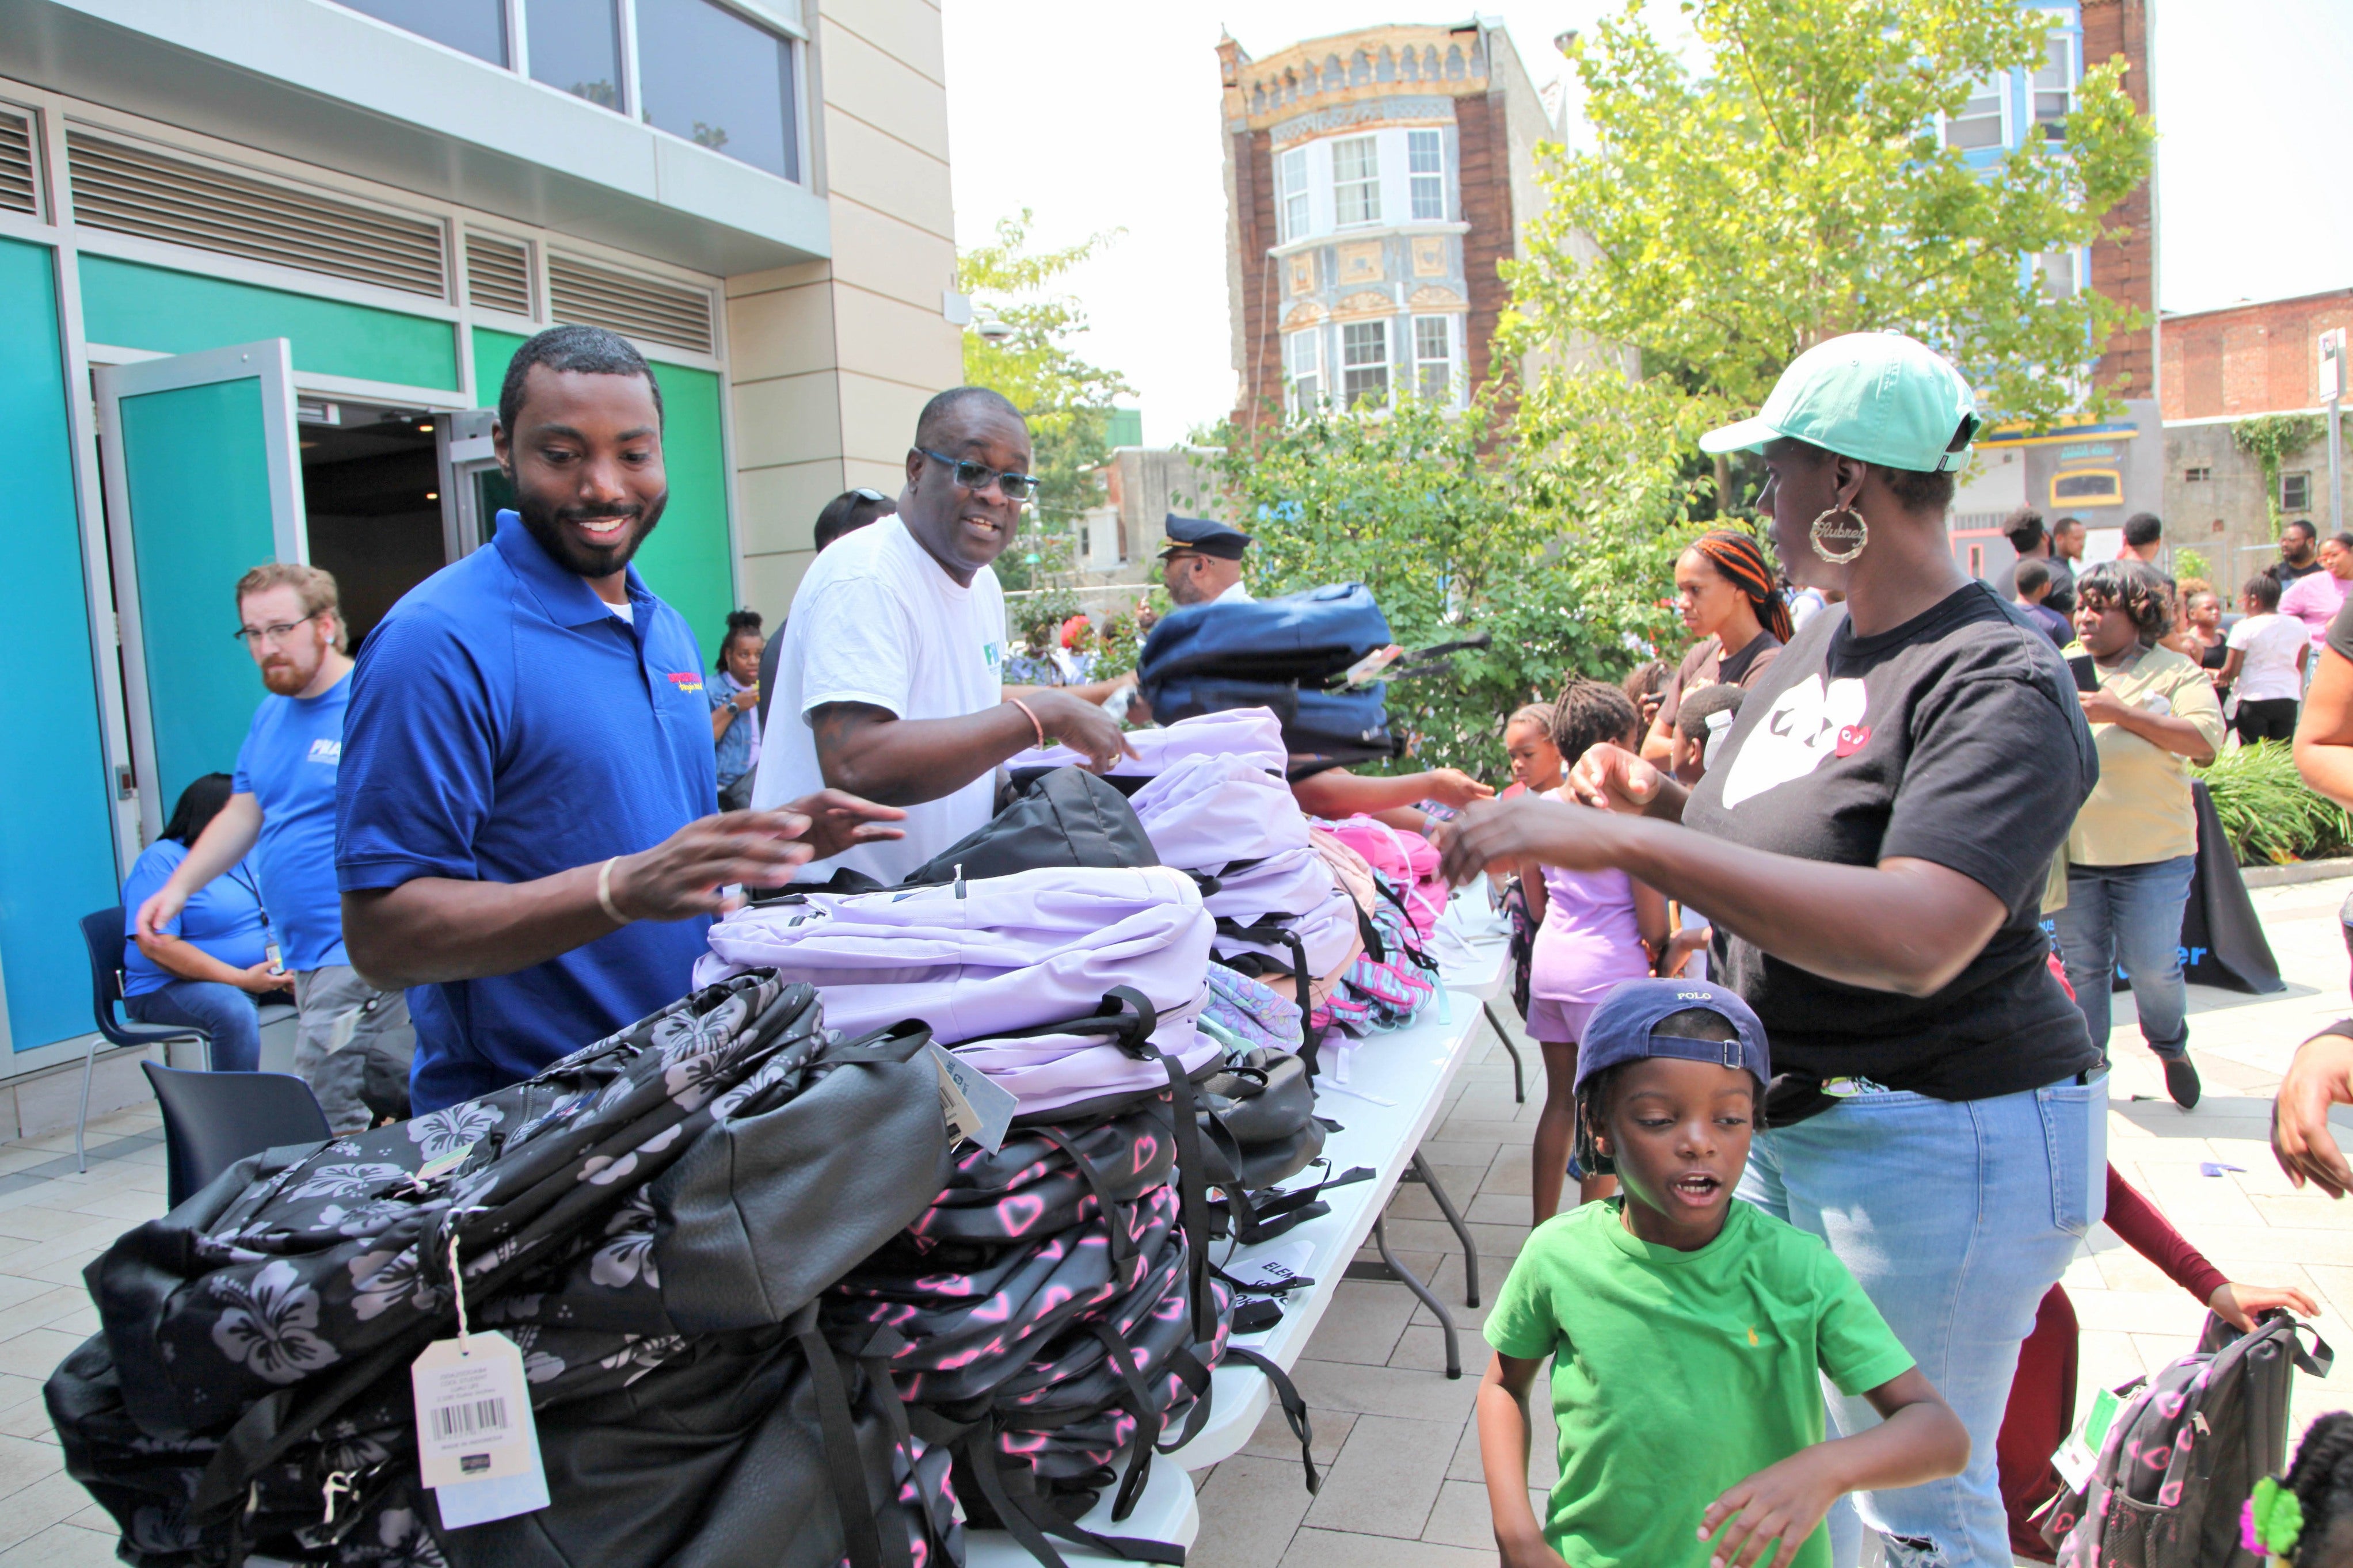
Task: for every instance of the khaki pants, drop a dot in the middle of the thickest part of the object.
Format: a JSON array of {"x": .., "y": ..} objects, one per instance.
[{"x": 351, "y": 1046}]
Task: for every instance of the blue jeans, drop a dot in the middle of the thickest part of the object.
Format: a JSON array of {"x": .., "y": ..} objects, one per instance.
[
  {"x": 2129, "y": 916},
  {"x": 1956, "y": 1217},
  {"x": 230, "y": 1016}
]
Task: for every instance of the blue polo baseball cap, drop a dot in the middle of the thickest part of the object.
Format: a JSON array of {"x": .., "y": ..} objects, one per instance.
[{"x": 1625, "y": 1029}]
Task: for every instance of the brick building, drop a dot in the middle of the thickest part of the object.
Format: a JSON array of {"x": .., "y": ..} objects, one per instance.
[
  {"x": 1374, "y": 181},
  {"x": 2226, "y": 365}
]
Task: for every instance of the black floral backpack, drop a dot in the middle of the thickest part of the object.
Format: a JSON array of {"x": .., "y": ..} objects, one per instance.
[{"x": 655, "y": 1214}]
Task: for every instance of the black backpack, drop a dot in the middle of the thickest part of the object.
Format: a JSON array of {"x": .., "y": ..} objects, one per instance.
[{"x": 2185, "y": 1452}]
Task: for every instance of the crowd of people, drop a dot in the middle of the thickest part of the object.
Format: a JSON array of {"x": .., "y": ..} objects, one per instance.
[{"x": 496, "y": 835}]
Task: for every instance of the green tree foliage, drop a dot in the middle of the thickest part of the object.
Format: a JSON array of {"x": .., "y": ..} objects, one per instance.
[
  {"x": 1067, "y": 400},
  {"x": 1796, "y": 188},
  {"x": 1421, "y": 507}
]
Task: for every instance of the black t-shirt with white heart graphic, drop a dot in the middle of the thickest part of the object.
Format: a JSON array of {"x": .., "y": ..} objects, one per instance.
[{"x": 1955, "y": 737}]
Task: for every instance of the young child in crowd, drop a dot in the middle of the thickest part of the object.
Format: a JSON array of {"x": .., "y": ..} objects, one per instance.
[
  {"x": 1594, "y": 929},
  {"x": 1701, "y": 724},
  {"x": 1646, "y": 686},
  {"x": 1535, "y": 761},
  {"x": 1689, "y": 1334}
]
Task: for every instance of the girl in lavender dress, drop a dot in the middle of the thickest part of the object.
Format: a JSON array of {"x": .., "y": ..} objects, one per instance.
[{"x": 1594, "y": 929}]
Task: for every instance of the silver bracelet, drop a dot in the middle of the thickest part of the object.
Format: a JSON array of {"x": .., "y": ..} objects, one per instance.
[{"x": 605, "y": 893}]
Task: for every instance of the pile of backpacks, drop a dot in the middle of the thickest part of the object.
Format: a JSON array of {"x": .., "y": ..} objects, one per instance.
[
  {"x": 761, "y": 1304},
  {"x": 1289, "y": 656},
  {"x": 651, "y": 1222}
]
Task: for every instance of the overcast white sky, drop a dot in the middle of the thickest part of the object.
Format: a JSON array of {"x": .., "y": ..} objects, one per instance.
[{"x": 1104, "y": 116}]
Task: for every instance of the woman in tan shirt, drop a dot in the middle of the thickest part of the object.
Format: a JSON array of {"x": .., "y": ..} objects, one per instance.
[{"x": 2135, "y": 842}]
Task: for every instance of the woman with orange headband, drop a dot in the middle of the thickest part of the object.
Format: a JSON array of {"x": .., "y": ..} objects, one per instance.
[{"x": 1730, "y": 602}]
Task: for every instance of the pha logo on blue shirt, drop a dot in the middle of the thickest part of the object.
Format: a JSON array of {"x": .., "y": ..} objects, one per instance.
[{"x": 324, "y": 750}]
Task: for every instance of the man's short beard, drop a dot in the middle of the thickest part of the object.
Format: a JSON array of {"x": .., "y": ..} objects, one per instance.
[{"x": 545, "y": 523}]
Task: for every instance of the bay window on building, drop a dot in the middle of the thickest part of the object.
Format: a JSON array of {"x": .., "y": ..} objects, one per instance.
[
  {"x": 1426, "y": 156},
  {"x": 1290, "y": 171},
  {"x": 1364, "y": 362},
  {"x": 1433, "y": 359},
  {"x": 1302, "y": 366},
  {"x": 1356, "y": 181}
]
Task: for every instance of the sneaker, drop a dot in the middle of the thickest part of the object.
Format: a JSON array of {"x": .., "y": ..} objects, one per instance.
[{"x": 2181, "y": 1077}]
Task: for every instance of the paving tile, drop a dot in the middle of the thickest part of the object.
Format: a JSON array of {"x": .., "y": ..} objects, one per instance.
[
  {"x": 56, "y": 1301},
  {"x": 37, "y": 1222},
  {"x": 36, "y": 1352},
  {"x": 1250, "y": 1507},
  {"x": 1338, "y": 1549},
  {"x": 22, "y": 1463},
  {"x": 1384, "y": 1391},
  {"x": 45, "y": 1504},
  {"x": 1463, "y": 1518},
  {"x": 1362, "y": 1322},
  {"x": 1384, "y": 1482},
  {"x": 1327, "y": 1429},
  {"x": 62, "y": 1545}
]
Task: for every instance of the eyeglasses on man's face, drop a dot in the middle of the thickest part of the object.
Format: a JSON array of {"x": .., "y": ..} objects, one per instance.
[
  {"x": 262, "y": 635},
  {"x": 1011, "y": 483}
]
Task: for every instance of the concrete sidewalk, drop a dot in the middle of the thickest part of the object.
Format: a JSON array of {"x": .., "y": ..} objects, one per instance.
[{"x": 1401, "y": 1486}]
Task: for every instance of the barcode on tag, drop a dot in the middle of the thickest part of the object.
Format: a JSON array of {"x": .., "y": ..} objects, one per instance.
[{"x": 468, "y": 1420}]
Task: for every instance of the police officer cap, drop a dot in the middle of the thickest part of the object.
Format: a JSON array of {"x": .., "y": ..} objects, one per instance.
[{"x": 1205, "y": 536}]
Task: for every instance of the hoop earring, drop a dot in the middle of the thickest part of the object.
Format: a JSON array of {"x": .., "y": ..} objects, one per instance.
[{"x": 1850, "y": 536}]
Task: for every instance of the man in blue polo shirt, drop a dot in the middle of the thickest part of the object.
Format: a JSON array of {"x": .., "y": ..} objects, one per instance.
[
  {"x": 521, "y": 838},
  {"x": 352, "y": 1041}
]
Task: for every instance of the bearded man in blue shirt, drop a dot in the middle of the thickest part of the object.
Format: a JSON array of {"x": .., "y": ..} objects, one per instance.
[{"x": 521, "y": 831}]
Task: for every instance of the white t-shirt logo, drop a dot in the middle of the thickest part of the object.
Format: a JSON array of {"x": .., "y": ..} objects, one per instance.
[{"x": 1799, "y": 733}]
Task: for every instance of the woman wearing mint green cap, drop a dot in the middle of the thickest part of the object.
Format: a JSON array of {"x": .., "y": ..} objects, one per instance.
[{"x": 1873, "y": 850}]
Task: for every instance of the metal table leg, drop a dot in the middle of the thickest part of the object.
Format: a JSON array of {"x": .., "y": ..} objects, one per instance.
[
  {"x": 1519, "y": 1079},
  {"x": 1420, "y": 1172},
  {"x": 1389, "y": 1267}
]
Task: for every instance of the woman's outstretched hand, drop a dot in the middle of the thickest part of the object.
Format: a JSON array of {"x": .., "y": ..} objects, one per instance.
[
  {"x": 1497, "y": 835},
  {"x": 1615, "y": 779}
]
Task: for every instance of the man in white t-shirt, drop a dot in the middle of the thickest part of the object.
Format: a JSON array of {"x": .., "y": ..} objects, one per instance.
[
  {"x": 891, "y": 671},
  {"x": 2264, "y": 666}
]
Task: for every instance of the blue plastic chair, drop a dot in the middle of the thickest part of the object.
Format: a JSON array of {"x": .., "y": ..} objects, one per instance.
[
  {"x": 211, "y": 1120},
  {"x": 101, "y": 932}
]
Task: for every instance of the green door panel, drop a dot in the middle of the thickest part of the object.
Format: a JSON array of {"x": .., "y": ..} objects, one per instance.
[
  {"x": 133, "y": 306},
  {"x": 198, "y": 476},
  {"x": 688, "y": 561},
  {"x": 57, "y": 834}
]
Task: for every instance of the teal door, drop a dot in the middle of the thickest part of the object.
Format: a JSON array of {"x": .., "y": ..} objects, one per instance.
[{"x": 202, "y": 484}]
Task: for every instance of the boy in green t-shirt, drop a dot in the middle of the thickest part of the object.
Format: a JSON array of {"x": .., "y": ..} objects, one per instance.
[{"x": 1689, "y": 1334}]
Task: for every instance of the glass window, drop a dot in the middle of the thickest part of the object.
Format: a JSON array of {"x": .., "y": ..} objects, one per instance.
[
  {"x": 2055, "y": 270},
  {"x": 1426, "y": 158},
  {"x": 1433, "y": 358},
  {"x": 575, "y": 45},
  {"x": 1356, "y": 181},
  {"x": 2296, "y": 492},
  {"x": 478, "y": 27},
  {"x": 1978, "y": 125},
  {"x": 2054, "y": 85},
  {"x": 715, "y": 78},
  {"x": 1293, "y": 169},
  {"x": 1364, "y": 362},
  {"x": 1302, "y": 362}
]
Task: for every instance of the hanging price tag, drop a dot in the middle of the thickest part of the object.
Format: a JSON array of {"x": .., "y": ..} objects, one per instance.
[
  {"x": 473, "y": 1411},
  {"x": 2080, "y": 1453}
]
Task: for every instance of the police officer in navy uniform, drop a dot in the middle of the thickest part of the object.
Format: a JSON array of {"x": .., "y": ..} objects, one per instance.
[{"x": 1201, "y": 561}]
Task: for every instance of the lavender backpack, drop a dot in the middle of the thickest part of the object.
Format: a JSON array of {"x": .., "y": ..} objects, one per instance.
[
  {"x": 1252, "y": 735},
  {"x": 991, "y": 964}
]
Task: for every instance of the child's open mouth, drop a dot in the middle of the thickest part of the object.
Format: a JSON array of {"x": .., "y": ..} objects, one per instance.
[{"x": 1697, "y": 1188}]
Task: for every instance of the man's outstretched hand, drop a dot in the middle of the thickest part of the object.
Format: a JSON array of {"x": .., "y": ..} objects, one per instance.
[
  {"x": 2321, "y": 1076},
  {"x": 687, "y": 874}
]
